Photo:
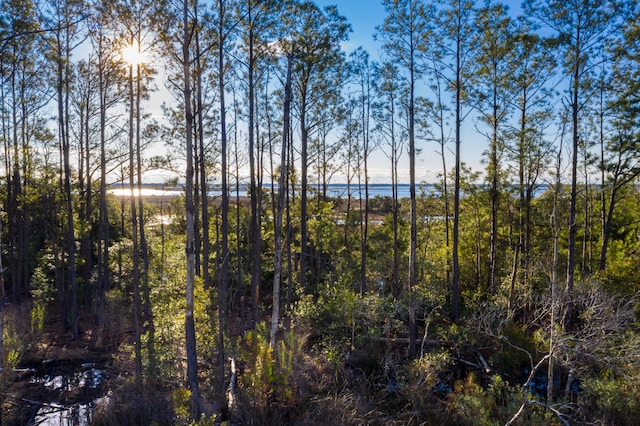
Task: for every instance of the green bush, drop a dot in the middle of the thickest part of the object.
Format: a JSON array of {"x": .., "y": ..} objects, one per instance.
[{"x": 612, "y": 400}]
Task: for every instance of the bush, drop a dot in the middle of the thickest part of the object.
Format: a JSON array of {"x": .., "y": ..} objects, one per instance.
[{"x": 610, "y": 399}]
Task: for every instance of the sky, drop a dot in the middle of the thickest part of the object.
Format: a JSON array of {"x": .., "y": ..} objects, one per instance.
[{"x": 364, "y": 16}]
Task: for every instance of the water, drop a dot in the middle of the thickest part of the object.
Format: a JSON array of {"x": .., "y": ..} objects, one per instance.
[
  {"x": 64, "y": 384},
  {"x": 59, "y": 415},
  {"x": 334, "y": 190}
]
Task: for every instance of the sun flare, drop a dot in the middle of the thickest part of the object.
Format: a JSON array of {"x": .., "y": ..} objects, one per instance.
[{"x": 132, "y": 54}]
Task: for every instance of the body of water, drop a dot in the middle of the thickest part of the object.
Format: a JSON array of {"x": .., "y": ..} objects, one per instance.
[
  {"x": 334, "y": 190},
  {"x": 337, "y": 190}
]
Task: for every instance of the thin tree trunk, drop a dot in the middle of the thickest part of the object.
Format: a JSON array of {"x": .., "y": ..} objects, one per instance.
[
  {"x": 190, "y": 334},
  {"x": 445, "y": 186},
  {"x": 135, "y": 244},
  {"x": 365, "y": 130},
  {"x": 290, "y": 199},
  {"x": 413, "y": 329},
  {"x": 603, "y": 198},
  {"x": 606, "y": 232},
  {"x": 495, "y": 194},
  {"x": 64, "y": 142},
  {"x": 303, "y": 195},
  {"x": 554, "y": 277},
  {"x": 455, "y": 286},
  {"x": 224, "y": 265},
  {"x": 522, "y": 205},
  {"x": 275, "y": 313},
  {"x": 239, "y": 258},
  {"x": 2, "y": 305},
  {"x": 254, "y": 228},
  {"x": 571, "y": 244},
  {"x": 103, "y": 227}
]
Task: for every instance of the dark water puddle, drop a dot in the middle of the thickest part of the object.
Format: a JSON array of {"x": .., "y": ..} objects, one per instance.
[{"x": 63, "y": 393}]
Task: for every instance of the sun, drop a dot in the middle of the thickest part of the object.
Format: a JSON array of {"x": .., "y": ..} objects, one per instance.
[{"x": 132, "y": 54}]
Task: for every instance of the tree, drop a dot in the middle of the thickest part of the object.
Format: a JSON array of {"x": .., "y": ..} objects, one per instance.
[
  {"x": 84, "y": 109},
  {"x": 104, "y": 65},
  {"x": 62, "y": 42},
  {"x": 455, "y": 27},
  {"x": 581, "y": 27},
  {"x": 388, "y": 88},
  {"x": 402, "y": 34},
  {"x": 2, "y": 308},
  {"x": 529, "y": 150},
  {"x": 621, "y": 166},
  {"x": 257, "y": 19},
  {"x": 190, "y": 334},
  {"x": 139, "y": 19},
  {"x": 315, "y": 36},
  {"x": 493, "y": 92},
  {"x": 362, "y": 69},
  {"x": 277, "y": 226},
  {"x": 223, "y": 274},
  {"x": 439, "y": 115},
  {"x": 25, "y": 93}
]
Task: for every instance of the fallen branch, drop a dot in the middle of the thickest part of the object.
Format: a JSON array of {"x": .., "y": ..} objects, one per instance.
[{"x": 528, "y": 402}]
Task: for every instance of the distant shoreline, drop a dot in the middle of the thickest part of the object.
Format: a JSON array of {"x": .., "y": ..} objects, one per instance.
[{"x": 334, "y": 190}]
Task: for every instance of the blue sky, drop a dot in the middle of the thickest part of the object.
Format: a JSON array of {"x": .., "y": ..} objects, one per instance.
[{"x": 364, "y": 16}]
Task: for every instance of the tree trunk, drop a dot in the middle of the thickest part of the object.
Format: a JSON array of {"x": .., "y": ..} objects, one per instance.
[
  {"x": 495, "y": 194},
  {"x": 254, "y": 228},
  {"x": 275, "y": 313},
  {"x": 606, "y": 232},
  {"x": 134, "y": 239},
  {"x": 303, "y": 195},
  {"x": 455, "y": 288},
  {"x": 365, "y": 137},
  {"x": 554, "y": 276},
  {"x": 571, "y": 244},
  {"x": 413, "y": 330},
  {"x": 224, "y": 265},
  {"x": 64, "y": 143},
  {"x": 190, "y": 333},
  {"x": 2, "y": 304},
  {"x": 394, "y": 195},
  {"x": 103, "y": 220}
]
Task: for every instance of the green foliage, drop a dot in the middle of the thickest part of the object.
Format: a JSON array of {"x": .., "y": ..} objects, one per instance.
[
  {"x": 612, "y": 398},
  {"x": 419, "y": 377},
  {"x": 268, "y": 376},
  {"x": 332, "y": 309},
  {"x": 511, "y": 356},
  {"x": 42, "y": 293},
  {"x": 13, "y": 347},
  {"x": 621, "y": 273},
  {"x": 181, "y": 405},
  {"x": 472, "y": 404}
]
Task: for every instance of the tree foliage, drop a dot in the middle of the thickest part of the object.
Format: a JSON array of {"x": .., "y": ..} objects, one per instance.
[{"x": 266, "y": 280}]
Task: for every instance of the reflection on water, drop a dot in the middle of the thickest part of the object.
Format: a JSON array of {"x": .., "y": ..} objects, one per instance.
[
  {"x": 58, "y": 415},
  {"x": 81, "y": 386}
]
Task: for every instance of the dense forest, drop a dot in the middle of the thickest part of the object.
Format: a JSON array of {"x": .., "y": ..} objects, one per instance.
[{"x": 504, "y": 293}]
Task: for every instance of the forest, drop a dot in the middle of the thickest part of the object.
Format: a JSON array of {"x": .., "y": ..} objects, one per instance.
[{"x": 245, "y": 291}]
